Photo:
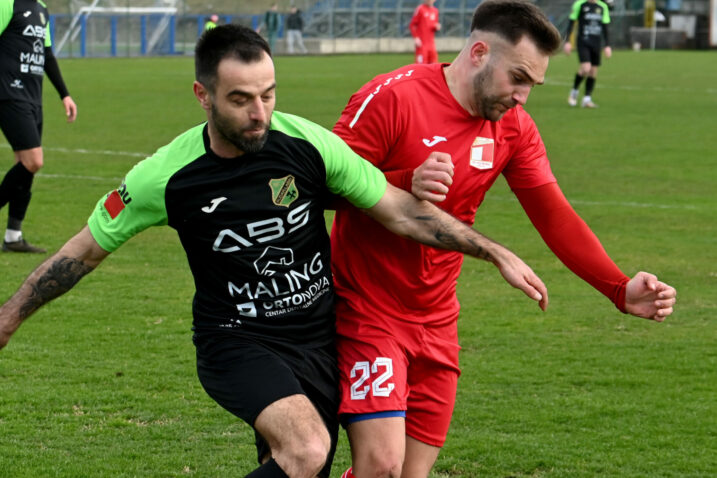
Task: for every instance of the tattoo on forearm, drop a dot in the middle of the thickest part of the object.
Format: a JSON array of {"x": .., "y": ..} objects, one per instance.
[
  {"x": 60, "y": 277},
  {"x": 447, "y": 238}
]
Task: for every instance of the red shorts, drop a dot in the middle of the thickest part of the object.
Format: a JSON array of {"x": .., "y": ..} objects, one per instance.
[
  {"x": 427, "y": 54},
  {"x": 389, "y": 365}
]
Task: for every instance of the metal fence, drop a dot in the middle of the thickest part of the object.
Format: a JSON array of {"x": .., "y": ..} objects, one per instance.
[{"x": 136, "y": 32}]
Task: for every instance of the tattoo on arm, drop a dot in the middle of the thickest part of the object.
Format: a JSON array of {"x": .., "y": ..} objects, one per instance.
[
  {"x": 447, "y": 237},
  {"x": 61, "y": 276}
]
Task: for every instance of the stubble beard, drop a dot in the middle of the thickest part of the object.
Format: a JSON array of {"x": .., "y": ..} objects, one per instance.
[
  {"x": 237, "y": 136},
  {"x": 486, "y": 103}
]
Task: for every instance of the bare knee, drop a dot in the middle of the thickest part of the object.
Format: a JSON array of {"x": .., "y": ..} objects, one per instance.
[
  {"x": 378, "y": 461},
  {"x": 32, "y": 159},
  {"x": 297, "y": 436},
  {"x": 378, "y": 447},
  {"x": 384, "y": 465},
  {"x": 303, "y": 456}
]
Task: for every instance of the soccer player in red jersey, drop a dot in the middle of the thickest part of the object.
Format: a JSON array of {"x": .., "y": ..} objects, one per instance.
[
  {"x": 424, "y": 25},
  {"x": 445, "y": 132}
]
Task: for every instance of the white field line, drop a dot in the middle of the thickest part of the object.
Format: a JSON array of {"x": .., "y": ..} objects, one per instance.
[
  {"x": 630, "y": 204},
  {"x": 569, "y": 84},
  {"x": 88, "y": 151},
  {"x": 131, "y": 154},
  {"x": 78, "y": 177}
]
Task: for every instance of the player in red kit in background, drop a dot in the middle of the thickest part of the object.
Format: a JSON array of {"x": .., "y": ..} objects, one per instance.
[
  {"x": 424, "y": 25},
  {"x": 397, "y": 309}
]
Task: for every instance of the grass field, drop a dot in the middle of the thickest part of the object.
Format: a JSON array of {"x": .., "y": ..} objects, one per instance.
[{"x": 101, "y": 382}]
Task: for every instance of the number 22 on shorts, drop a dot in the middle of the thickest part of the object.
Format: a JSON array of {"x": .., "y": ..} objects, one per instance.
[{"x": 364, "y": 371}]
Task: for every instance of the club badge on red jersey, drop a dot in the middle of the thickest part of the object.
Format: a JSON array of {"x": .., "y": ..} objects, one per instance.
[{"x": 482, "y": 153}]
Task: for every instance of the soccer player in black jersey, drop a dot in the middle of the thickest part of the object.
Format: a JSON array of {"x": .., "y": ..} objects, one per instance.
[
  {"x": 246, "y": 193},
  {"x": 25, "y": 56},
  {"x": 592, "y": 17}
]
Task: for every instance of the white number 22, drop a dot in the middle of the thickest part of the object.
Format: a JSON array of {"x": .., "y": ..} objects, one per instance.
[{"x": 364, "y": 370}]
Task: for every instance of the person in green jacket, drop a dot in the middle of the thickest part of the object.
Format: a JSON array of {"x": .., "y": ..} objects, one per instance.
[{"x": 270, "y": 25}]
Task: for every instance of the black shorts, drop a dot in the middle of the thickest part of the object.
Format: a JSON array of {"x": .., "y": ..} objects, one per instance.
[
  {"x": 589, "y": 51},
  {"x": 244, "y": 375},
  {"x": 21, "y": 123}
]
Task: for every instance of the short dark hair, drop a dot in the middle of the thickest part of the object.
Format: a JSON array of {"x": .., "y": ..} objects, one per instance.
[
  {"x": 216, "y": 44},
  {"x": 513, "y": 19}
]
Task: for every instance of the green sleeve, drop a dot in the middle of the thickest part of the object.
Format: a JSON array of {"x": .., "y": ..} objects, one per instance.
[
  {"x": 48, "y": 40},
  {"x": 136, "y": 205},
  {"x": 139, "y": 202},
  {"x": 605, "y": 12},
  {"x": 347, "y": 174},
  {"x": 6, "y": 7},
  {"x": 575, "y": 12}
]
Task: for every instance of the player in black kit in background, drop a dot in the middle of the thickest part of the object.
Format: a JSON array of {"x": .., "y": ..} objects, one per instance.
[
  {"x": 25, "y": 56},
  {"x": 592, "y": 17},
  {"x": 246, "y": 192}
]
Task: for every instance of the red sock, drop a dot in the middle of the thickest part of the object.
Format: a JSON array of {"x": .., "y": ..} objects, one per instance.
[{"x": 348, "y": 474}]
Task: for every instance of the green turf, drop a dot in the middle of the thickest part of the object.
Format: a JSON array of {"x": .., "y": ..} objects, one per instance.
[{"x": 101, "y": 382}]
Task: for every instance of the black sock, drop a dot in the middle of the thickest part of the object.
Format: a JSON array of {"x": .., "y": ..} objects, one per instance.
[
  {"x": 577, "y": 81},
  {"x": 270, "y": 469},
  {"x": 17, "y": 208},
  {"x": 16, "y": 183},
  {"x": 14, "y": 224},
  {"x": 589, "y": 86}
]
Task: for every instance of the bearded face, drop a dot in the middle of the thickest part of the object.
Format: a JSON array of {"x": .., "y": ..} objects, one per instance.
[
  {"x": 490, "y": 103},
  {"x": 249, "y": 137}
]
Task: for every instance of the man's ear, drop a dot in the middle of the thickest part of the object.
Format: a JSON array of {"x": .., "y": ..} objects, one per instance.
[
  {"x": 480, "y": 51},
  {"x": 202, "y": 94}
]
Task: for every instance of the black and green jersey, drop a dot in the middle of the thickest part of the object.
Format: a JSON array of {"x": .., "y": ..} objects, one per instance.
[
  {"x": 24, "y": 34},
  {"x": 592, "y": 18},
  {"x": 252, "y": 227}
]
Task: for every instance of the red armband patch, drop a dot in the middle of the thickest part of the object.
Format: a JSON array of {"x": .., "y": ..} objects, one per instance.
[{"x": 114, "y": 204}]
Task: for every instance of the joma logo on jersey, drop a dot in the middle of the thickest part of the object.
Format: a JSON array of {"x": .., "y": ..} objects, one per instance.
[
  {"x": 283, "y": 190},
  {"x": 261, "y": 231},
  {"x": 34, "y": 31}
]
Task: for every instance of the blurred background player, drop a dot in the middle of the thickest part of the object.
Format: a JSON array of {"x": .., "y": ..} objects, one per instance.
[
  {"x": 424, "y": 25},
  {"x": 593, "y": 17},
  {"x": 294, "y": 28},
  {"x": 212, "y": 22},
  {"x": 270, "y": 25},
  {"x": 25, "y": 56}
]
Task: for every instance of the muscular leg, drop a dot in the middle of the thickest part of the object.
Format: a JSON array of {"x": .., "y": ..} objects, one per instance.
[
  {"x": 16, "y": 190},
  {"x": 19, "y": 177},
  {"x": 296, "y": 434},
  {"x": 378, "y": 447},
  {"x": 419, "y": 459},
  {"x": 32, "y": 159},
  {"x": 590, "y": 86},
  {"x": 584, "y": 69}
]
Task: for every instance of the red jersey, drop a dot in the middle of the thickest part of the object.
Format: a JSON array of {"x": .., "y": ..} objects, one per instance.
[
  {"x": 424, "y": 24},
  {"x": 395, "y": 121}
]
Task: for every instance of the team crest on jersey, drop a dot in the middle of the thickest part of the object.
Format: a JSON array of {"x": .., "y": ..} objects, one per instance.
[
  {"x": 482, "y": 153},
  {"x": 284, "y": 190}
]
